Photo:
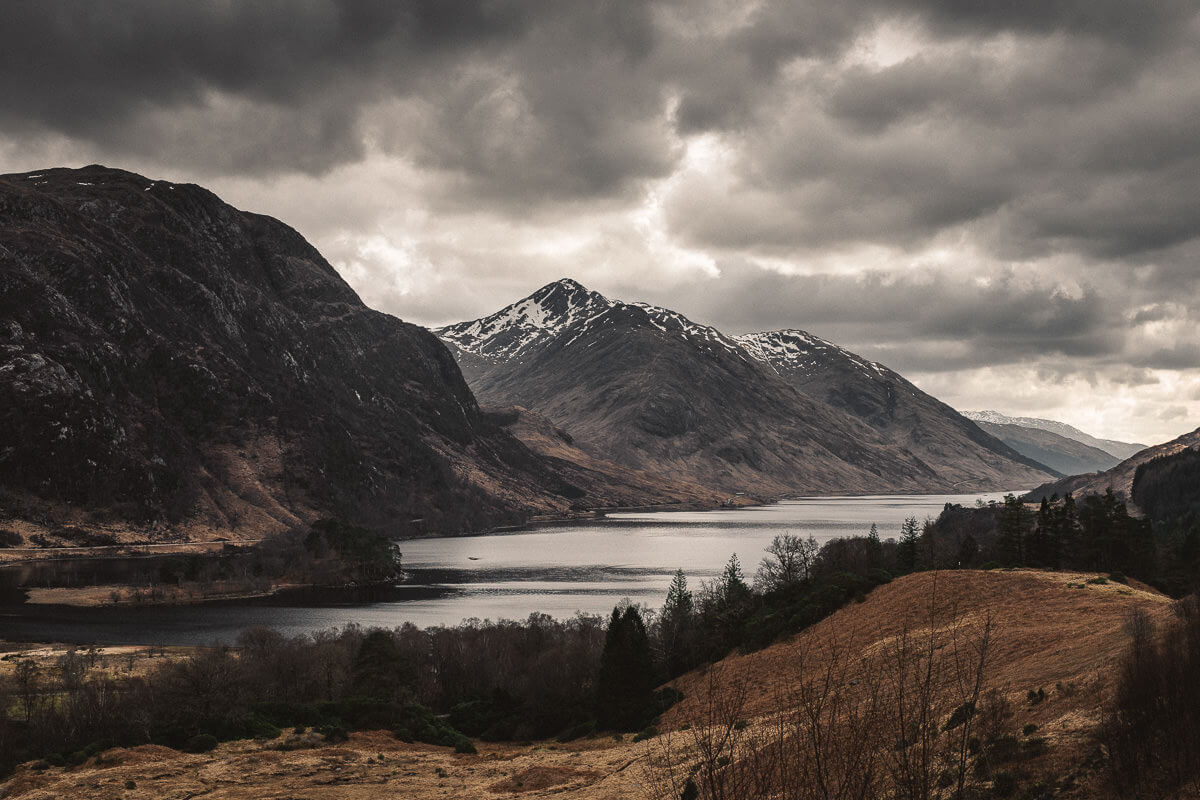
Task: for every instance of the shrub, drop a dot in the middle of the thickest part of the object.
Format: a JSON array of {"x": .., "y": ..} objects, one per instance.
[
  {"x": 1004, "y": 748},
  {"x": 333, "y": 733},
  {"x": 1004, "y": 784},
  {"x": 1098, "y": 581},
  {"x": 649, "y": 732},
  {"x": 1035, "y": 747},
  {"x": 578, "y": 731},
  {"x": 1029, "y": 728},
  {"x": 960, "y": 715},
  {"x": 464, "y": 745},
  {"x": 9, "y": 538},
  {"x": 201, "y": 743},
  {"x": 1118, "y": 577},
  {"x": 130, "y": 785}
]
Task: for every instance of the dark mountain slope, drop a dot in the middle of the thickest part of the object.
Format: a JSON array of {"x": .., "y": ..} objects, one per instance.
[
  {"x": 882, "y": 398},
  {"x": 169, "y": 361},
  {"x": 645, "y": 387},
  {"x": 1061, "y": 454}
]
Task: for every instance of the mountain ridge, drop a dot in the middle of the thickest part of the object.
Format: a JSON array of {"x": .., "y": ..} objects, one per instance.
[{"x": 1119, "y": 449}]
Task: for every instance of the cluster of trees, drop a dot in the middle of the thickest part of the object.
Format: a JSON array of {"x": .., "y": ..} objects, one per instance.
[
  {"x": 797, "y": 583},
  {"x": 1095, "y": 534},
  {"x": 503, "y": 680}
]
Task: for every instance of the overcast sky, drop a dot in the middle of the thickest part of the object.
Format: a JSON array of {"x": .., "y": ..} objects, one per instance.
[{"x": 1000, "y": 200}]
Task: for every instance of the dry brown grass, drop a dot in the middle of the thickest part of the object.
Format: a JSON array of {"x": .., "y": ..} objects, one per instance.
[{"x": 1047, "y": 632}]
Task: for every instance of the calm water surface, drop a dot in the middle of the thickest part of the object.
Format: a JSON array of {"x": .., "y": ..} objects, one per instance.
[{"x": 558, "y": 570}]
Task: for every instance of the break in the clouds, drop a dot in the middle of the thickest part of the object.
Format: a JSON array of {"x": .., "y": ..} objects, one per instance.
[{"x": 998, "y": 199}]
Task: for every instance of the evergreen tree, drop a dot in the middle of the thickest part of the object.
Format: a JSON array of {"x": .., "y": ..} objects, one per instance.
[
  {"x": 379, "y": 669},
  {"x": 874, "y": 547},
  {"x": 906, "y": 550},
  {"x": 1011, "y": 536},
  {"x": 1042, "y": 550},
  {"x": 734, "y": 588},
  {"x": 626, "y": 681},
  {"x": 676, "y": 627}
]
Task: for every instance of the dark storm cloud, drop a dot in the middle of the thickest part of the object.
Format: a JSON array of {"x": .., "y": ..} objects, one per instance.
[{"x": 273, "y": 87}]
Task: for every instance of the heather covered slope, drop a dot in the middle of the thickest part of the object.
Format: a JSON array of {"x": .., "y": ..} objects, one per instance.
[
  {"x": 171, "y": 364},
  {"x": 645, "y": 387}
]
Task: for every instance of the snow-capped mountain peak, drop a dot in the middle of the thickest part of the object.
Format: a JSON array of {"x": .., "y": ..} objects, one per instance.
[{"x": 512, "y": 330}]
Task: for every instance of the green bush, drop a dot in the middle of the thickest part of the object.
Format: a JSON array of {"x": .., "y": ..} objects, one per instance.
[
  {"x": 464, "y": 745},
  {"x": 333, "y": 733},
  {"x": 960, "y": 715}
]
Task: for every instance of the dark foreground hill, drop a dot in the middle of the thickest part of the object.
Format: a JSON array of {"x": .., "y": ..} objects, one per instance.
[
  {"x": 645, "y": 387},
  {"x": 168, "y": 362}
]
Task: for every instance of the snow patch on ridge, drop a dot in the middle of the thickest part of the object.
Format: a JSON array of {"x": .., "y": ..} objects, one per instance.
[{"x": 792, "y": 352}]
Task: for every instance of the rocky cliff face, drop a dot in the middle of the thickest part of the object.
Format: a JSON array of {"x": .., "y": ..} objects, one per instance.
[
  {"x": 169, "y": 361},
  {"x": 646, "y": 387}
]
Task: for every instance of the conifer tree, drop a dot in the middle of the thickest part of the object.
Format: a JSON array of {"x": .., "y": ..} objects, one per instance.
[
  {"x": 626, "y": 681},
  {"x": 1011, "y": 537},
  {"x": 906, "y": 550},
  {"x": 676, "y": 626}
]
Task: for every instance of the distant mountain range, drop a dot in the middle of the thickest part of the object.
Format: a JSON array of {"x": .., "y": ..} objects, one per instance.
[
  {"x": 1064, "y": 455},
  {"x": 1120, "y": 477},
  {"x": 1121, "y": 450},
  {"x": 767, "y": 413}
]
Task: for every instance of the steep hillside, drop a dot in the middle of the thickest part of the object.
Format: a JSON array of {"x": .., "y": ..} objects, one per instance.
[
  {"x": 1121, "y": 450},
  {"x": 882, "y": 398},
  {"x": 645, "y": 387},
  {"x": 1061, "y": 454},
  {"x": 1120, "y": 477},
  {"x": 173, "y": 366}
]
